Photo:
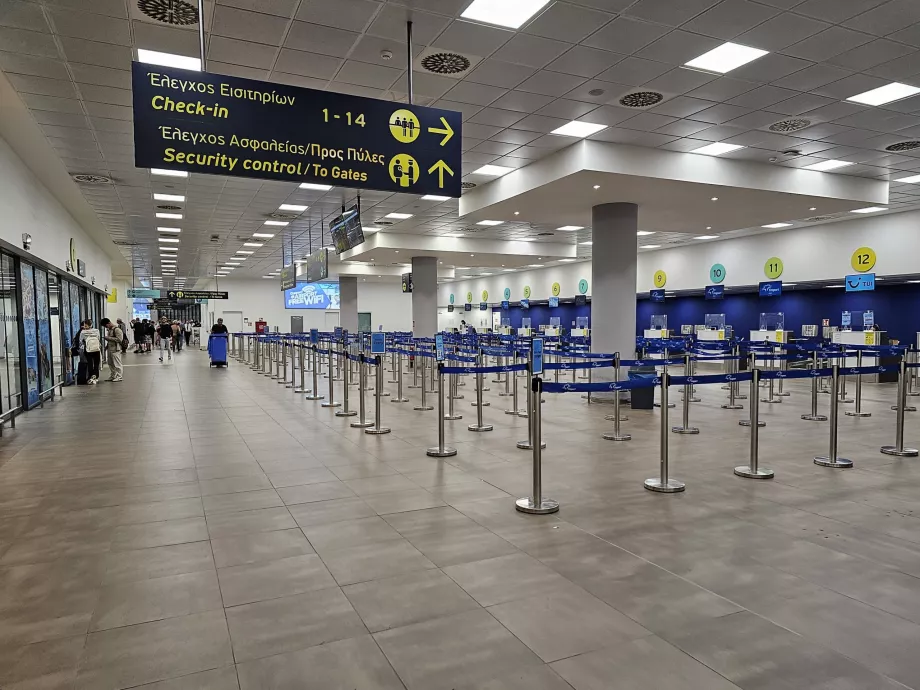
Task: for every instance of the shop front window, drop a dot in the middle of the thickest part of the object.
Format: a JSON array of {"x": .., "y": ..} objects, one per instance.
[{"x": 10, "y": 385}]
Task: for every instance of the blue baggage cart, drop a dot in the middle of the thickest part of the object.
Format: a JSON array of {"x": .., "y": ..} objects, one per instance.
[{"x": 217, "y": 349}]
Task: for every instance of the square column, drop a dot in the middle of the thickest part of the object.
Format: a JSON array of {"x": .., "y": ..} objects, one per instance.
[
  {"x": 424, "y": 296},
  {"x": 348, "y": 303},
  {"x": 613, "y": 266}
]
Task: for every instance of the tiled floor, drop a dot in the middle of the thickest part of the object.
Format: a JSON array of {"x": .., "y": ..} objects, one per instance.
[{"x": 194, "y": 528}]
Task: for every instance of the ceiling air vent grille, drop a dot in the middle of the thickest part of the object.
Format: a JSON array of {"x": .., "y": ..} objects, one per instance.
[
  {"x": 545, "y": 234},
  {"x": 641, "y": 99},
  {"x": 284, "y": 216},
  {"x": 88, "y": 178},
  {"x": 122, "y": 243},
  {"x": 445, "y": 63},
  {"x": 383, "y": 222},
  {"x": 175, "y": 12},
  {"x": 818, "y": 219},
  {"x": 169, "y": 207},
  {"x": 467, "y": 185},
  {"x": 904, "y": 146},
  {"x": 791, "y": 125}
]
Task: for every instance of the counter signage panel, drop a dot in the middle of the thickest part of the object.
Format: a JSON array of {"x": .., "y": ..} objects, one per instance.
[
  {"x": 860, "y": 282},
  {"x": 771, "y": 288},
  {"x": 467, "y": 307},
  {"x": 506, "y": 304},
  {"x": 715, "y": 291},
  {"x": 212, "y": 123},
  {"x": 525, "y": 304},
  {"x": 314, "y": 336},
  {"x": 439, "y": 347},
  {"x": 483, "y": 306},
  {"x": 536, "y": 358},
  {"x": 378, "y": 343},
  {"x": 553, "y": 302},
  {"x": 656, "y": 295}
]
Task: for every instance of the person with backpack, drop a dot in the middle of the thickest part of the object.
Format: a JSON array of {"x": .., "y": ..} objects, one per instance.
[
  {"x": 150, "y": 331},
  {"x": 113, "y": 341},
  {"x": 164, "y": 330},
  {"x": 90, "y": 344},
  {"x": 124, "y": 333}
]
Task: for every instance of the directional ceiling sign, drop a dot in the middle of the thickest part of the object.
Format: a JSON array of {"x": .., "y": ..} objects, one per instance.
[
  {"x": 194, "y": 294},
  {"x": 211, "y": 123}
]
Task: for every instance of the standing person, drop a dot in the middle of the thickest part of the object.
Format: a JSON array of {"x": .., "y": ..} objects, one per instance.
[
  {"x": 149, "y": 333},
  {"x": 177, "y": 336},
  {"x": 137, "y": 327},
  {"x": 219, "y": 327},
  {"x": 91, "y": 350},
  {"x": 113, "y": 339},
  {"x": 188, "y": 332},
  {"x": 124, "y": 335},
  {"x": 164, "y": 330}
]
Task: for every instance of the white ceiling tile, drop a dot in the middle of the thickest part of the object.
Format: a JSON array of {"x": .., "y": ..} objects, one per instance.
[
  {"x": 523, "y": 102},
  {"x": 669, "y": 12},
  {"x": 365, "y": 74},
  {"x": 684, "y": 128},
  {"x": 495, "y": 147},
  {"x": 234, "y": 51},
  {"x": 632, "y": 137},
  {"x": 472, "y": 39},
  {"x": 532, "y": 51},
  {"x": 634, "y": 71},
  {"x": 22, "y": 15},
  {"x": 584, "y": 61},
  {"x": 759, "y": 118},
  {"x": 370, "y": 48},
  {"x": 102, "y": 124},
  {"x": 236, "y": 70},
  {"x": 762, "y": 97},
  {"x": 14, "y": 63},
  {"x": 608, "y": 115},
  {"x": 28, "y": 42},
  {"x": 283, "y": 8},
  {"x": 103, "y": 76},
  {"x": 722, "y": 89},
  {"x": 718, "y": 114},
  {"x": 625, "y": 35},
  {"x": 47, "y": 117},
  {"x": 551, "y": 83},
  {"x": 827, "y": 44},
  {"x": 307, "y": 64},
  {"x": 821, "y": 130},
  {"x": 479, "y": 94},
  {"x": 320, "y": 39},
  {"x": 297, "y": 80},
  {"x": 850, "y": 86},
  {"x": 92, "y": 27},
  {"x": 94, "y": 53},
  {"x": 391, "y": 23},
  {"x": 42, "y": 86},
  {"x": 910, "y": 35},
  {"x": 901, "y": 69},
  {"x": 105, "y": 94},
  {"x": 719, "y": 133},
  {"x": 812, "y": 77},
  {"x": 604, "y": 91},
  {"x": 496, "y": 73},
  {"x": 871, "y": 54},
  {"x": 466, "y": 109},
  {"x": 801, "y": 104},
  {"x": 781, "y": 31},
  {"x": 647, "y": 121},
  {"x": 431, "y": 85},
  {"x": 730, "y": 18},
  {"x": 770, "y": 68},
  {"x": 476, "y": 131},
  {"x": 166, "y": 39},
  {"x": 251, "y": 26},
  {"x": 116, "y": 112},
  {"x": 678, "y": 47},
  {"x": 682, "y": 106},
  {"x": 606, "y": 5},
  {"x": 539, "y": 123},
  {"x": 565, "y": 22},
  {"x": 70, "y": 134},
  {"x": 52, "y": 103},
  {"x": 497, "y": 117},
  {"x": 353, "y": 15},
  {"x": 887, "y": 18},
  {"x": 566, "y": 109},
  {"x": 835, "y": 11},
  {"x": 552, "y": 142},
  {"x": 515, "y": 136},
  {"x": 679, "y": 81}
]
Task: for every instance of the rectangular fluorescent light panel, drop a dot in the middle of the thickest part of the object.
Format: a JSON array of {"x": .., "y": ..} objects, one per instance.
[
  {"x": 725, "y": 58},
  {"x": 885, "y": 94},
  {"x": 649, "y": 246},
  {"x": 717, "y": 149},
  {"x": 168, "y": 197},
  {"x": 493, "y": 170},
  {"x": 435, "y": 197},
  {"x": 174, "y": 231},
  {"x": 913, "y": 179},
  {"x": 169, "y": 249},
  {"x": 241, "y": 251},
  {"x": 296, "y": 208},
  {"x": 279, "y": 223},
  {"x": 774, "y": 226},
  {"x": 317, "y": 187},
  {"x": 566, "y": 261},
  {"x": 706, "y": 237},
  {"x": 508, "y": 13},
  {"x": 399, "y": 216},
  {"x": 153, "y": 57},
  {"x": 570, "y": 228},
  {"x": 869, "y": 209},
  {"x": 825, "y": 166},
  {"x": 251, "y": 244},
  {"x": 586, "y": 244},
  {"x": 578, "y": 129},
  {"x": 643, "y": 233},
  {"x": 262, "y": 235},
  {"x": 169, "y": 239},
  {"x": 168, "y": 173},
  {"x": 490, "y": 222},
  {"x": 169, "y": 216}
]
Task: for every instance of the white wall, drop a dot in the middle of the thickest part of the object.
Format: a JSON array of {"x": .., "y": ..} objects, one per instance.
[
  {"x": 26, "y": 205},
  {"x": 263, "y": 300},
  {"x": 540, "y": 281}
]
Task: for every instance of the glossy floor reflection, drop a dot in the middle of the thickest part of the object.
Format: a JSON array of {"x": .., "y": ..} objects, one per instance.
[{"x": 201, "y": 528}]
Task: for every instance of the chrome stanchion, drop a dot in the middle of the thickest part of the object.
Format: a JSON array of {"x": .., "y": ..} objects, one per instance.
[
  {"x": 814, "y": 416},
  {"x": 515, "y": 410},
  {"x": 303, "y": 370},
  {"x": 479, "y": 404},
  {"x": 331, "y": 401},
  {"x": 440, "y": 451},
  {"x": 424, "y": 406},
  {"x": 338, "y": 363},
  {"x": 857, "y": 411},
  {"x": 536, "y": 504},
  {"x": 480, "y": 387},
  {"x": 905, "y": 406},
  {"x": 282, "y": 378},
  {"x": 915, "y": 358},
  {"x": 733, "y": 385},
  {"x": 414, "y": 361},
  {"x": 393, "y": 365},
  {"x": 362, "y": 422},
  {"x": 783, "y": 366},
  {"x": 843, "y": 388},
  {"x": 692, "y": 370},
  {"x": 663, "y": 483},
  {"x": 314, "y": 392},
  {"x": 399, "y": 381},
  {"x": 753, "y": 470},
  {"x": 615, "y": 417},
  {"x": 749, "y": 420},
  {"x": 771, "y": 396},
  {"x": 665, "y": 371},
  {"x": 831, "y": 459},
  {"x": 531, "y": 436},
  {"x": 685, "y": 427},
  {"x": 498, "y": 375},
  {"x": 346, "y": 410},
  {"x": 376, "y": 428},
  {"x": 293, "y": 382},
  {"x": 508, "y": 374},
  {"x": 898, "y": 447},
  {"x": 451, "y": 396}
]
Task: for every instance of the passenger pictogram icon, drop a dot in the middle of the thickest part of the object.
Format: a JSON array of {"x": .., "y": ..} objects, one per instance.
[
  {"x": 403, "y": 170},
  {"x": 404, "y": 126}
]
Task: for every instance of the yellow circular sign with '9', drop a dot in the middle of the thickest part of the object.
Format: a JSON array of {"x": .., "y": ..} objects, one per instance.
[
  {"x": 660, "y": 278},
  {"x": 863, "y": 259}
]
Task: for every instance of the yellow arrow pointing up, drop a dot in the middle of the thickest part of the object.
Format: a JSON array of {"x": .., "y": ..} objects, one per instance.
[
  {"x": 448, "y": 132},
  {"x": 441, "y": 167}
]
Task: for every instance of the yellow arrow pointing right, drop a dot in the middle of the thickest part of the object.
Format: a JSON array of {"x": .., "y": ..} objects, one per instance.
[
  {"x": 441, "y": 167},
  {"x": 447, "y": 131}
]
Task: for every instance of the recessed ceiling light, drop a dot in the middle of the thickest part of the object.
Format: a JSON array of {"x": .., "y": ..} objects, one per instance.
[
  {"x": 912, "y": 281},
  {"x": 167, "y": 261},
  {"x": 153, "y": 57},
  {"x": 913, "y": 179},
  {"x": 725, "y": 58},
  {"x": 169, "y": 249},
  {"x": 586, "y": 244},
  {"x": 525, "y": 239},
  {"x": 220, "y": 275},
  {"x": 435, "y": 197},
  {"x": 578, "y": 129},
  {"x": 485, "y": 274},
  {"x": 251, "y": 244},
  {"x": 490, "y": 222},
  {"x": 815, "y": 208},
  {"x": 715, "y": 198},
  {"x": 493, "y": 170},
  {"x": 508, "y": 13},
  {"x": 268, "y": 276},
  {"x": 244, "y": 251},
  {"x": 240, "y": 258},
  {"x": 709, "y": 227},
  {"x": 454, "y": 235},
  {"x": 773, "y": 226},
  {"x": 296, "y": 208},
  {"x": 263, "y": 235},
  {"x": 317, "y": 187},
  {"x": 279, "y": 223},
  {"x": 227, "y": 268},
  {"x": 174, "y": 231},
  {"x": 169, "y": 239},
  {"x": 649, "y": 246},
  {"x": 566, "y": 261},
  {"x": 517, "y": 213},
  {"x": 824, "y": 166},
  {"x": 706, "y": 237},
  {"x": 399, "y": 216},
  {"x": 717, "y": 149},
  {"x": 643, "y": 233},
  {"x": 167, "y": 256},
  {"x": 597, "y": 186},
  {"x": 834, "y": 286},
  {"x": 885, "y": 94},
  {"x": 570, "y": 228},
  {"x": 170, "y": 216},
  {"x": 869, "y": 209},
  {"x": 168, "y": 197}
]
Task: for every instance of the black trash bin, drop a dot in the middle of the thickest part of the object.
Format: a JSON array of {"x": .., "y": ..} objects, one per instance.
[{"x": 642, "y": 398}]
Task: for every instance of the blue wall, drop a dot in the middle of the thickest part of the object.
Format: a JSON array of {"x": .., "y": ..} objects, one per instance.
[{"x": 896, "y": 307}]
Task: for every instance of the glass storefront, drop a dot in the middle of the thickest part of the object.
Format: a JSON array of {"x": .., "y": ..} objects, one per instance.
[{"x": 10, "y": 384}]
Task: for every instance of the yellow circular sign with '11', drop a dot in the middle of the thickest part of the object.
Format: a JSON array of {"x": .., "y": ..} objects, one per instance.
[
  {"x": 863, "y": 259},
  {"x": 660, "y": 278},
  {"x": 773, "y": 268}
]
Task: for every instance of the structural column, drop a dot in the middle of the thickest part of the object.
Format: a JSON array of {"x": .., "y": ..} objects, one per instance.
[
  {"x": 348, "y": 303},
  {"x": 424, "y": 296},
  {"x": 613, "y": 293}
]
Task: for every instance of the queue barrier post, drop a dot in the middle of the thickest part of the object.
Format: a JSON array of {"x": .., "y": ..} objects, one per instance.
[
  {"x": 282, "y": 378},
  {"x": 907, "y": 407},
  {"x": 480, "y": 385},
  {"x": 664, "y": 370},
  {"x": 508, "y": 374},
  {"x": 424, "y": 406},
  {"x": 377, "y": 429},
  {"x": 750, "y": 419},
  {"x": 393, "y": 366},
  {"x": 441, "y": 450},
  {"x": 514, "y": 396},
  {"x": 915, "y": 358},
  {"x": 831, "y": 459},
  {"x": 753, "y": 470},
  {"x": 857, "y": 411},
  {"x": 314, "y": 393},
  {"x": 293, "y": 383},
  {"x": 303, "y": 370},
  {"x": 771, "y": 396},
  {"x": 479, "y": 426},
  {"x": 813, "y": 416},
  {"x": 331, "y": 402},
  {"x": 451, "y": 396},
  {"x": 414, "y": 361},
  {"x": 898, "y": 448},
  {"x": 783, "y": 366},
  {"x": 664, "y": 483},
  {"x": 617, "y": 435},
  {"x": 532, "y": 439},
  {"x": 536, "y": 503},
  {"x": 733, "y": 368},
  {"x": 346, "y": 410},
  {"x": 399, "y": 381},
  {"x": 685, "y": 427},
  {"x": 692, "y": 370},
  {"x": 362, "y": 422}
]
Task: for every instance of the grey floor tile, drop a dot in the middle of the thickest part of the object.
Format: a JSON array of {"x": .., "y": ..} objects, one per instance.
[
  {"x": 217, "y": 679},
  {"x": 48, "y": 665},
  {"x": 249, "y": 521},
  {"x": 313, "y": 475},
  {"x": 402, "y": 501},
  {"x": 342, "y": 535},
  {"x": 244, "y": 500},
  {"x": 260, "y": 546},
  {"x": 242, "y": 584},
  {"x": 506, "y": 578},
  {"x": 325, "y": 512},
  {"x": 152, "y": 534},
  {"x": 374, "y": 561},
  {"x": 229, "y": 485},
  {"x": 308, "y": 493},
  {"x": 160, "y": 561}
]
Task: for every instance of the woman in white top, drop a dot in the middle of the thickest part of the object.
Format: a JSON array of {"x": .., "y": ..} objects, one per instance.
[{"x": 91, "y": 347}]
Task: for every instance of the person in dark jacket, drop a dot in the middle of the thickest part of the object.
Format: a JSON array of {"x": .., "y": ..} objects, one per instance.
[{"x": 165, "y": 332}]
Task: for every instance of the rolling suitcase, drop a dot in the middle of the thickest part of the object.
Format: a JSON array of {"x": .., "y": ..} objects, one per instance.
[{"x": 82, "y": 373}]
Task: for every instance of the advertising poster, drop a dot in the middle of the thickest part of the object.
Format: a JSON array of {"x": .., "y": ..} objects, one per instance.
[
  {"x": 67, "y": 333},
  {"x": 45, "y": 366},
  {"x": 312, "y": 296},
  {"x": 27, "y": 281}
]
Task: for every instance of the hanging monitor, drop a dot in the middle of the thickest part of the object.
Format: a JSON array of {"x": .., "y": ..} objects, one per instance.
[
  {"x": 346, "y": 230},
  {"x": 318, "y": 265}
]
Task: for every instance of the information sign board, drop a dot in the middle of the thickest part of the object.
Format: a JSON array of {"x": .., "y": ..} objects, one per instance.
[
  {"x": 536, "y": 356},
  {"x": 195, "y": 294},
  {"x": 378, "y": 343},
  {"x": 439, "y": 347}
]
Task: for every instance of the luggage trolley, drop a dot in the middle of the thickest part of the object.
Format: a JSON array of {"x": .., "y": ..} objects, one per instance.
[{"x": 217, "y": 349}]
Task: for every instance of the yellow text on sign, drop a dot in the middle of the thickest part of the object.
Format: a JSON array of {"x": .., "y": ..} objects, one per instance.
[
  {"x": 863, "y": 259},
  {"x": 660, "y": 278},
  {"x": 773, "y": 268}
]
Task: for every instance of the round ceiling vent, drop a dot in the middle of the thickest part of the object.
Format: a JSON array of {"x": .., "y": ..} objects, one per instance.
[
  {"x": 904, "y": 146},
  {"x": 175, "y": 12},
  {"x": 596, "y": 92},
  {"x": 283, "y": 216},
  {"x": 818, "y": 219},
  {"x": 169, "y": 207},
  {"x": 446, "y": 63},
  {"x": 383, "y": 222},
  {"x": 544, "y": 234},
  {"x": 467, "y": 185},
  {"x": 641, "y": 99},
  {"x": 89, "y": 178},
  {"x": 792, "y": 125}
]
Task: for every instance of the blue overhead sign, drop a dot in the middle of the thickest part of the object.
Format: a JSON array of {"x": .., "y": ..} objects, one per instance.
[
  {"x": 715, "y": 291},
  {"x": 771, "y": 288},
  {"x": 506, "y": 304},
  {"x": 553, "y": 302},
  {"x": 656, "y": 295},
  {"x": 312, "y": 296},
  {"x": 860, "y": 282}
]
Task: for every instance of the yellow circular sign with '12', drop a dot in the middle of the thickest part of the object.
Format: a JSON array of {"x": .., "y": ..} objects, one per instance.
[
  {"x": 660, "y": 279},
  {"x": 773, "y": 268},
  {"x": 863, "y": 259}
]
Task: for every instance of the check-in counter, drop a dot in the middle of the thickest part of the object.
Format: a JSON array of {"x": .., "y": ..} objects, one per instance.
[
  {"x": 859, "y": 338},
  {"x": 657, "y": 333}
]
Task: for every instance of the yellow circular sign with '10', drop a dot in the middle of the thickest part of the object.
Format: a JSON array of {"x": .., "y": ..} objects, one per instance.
[
  {"x": 773, "y": 268},
  {"x": 557, "y": 288},
  {"x": 863, "y": 259},
  {"x": 660, "y": 278}
]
